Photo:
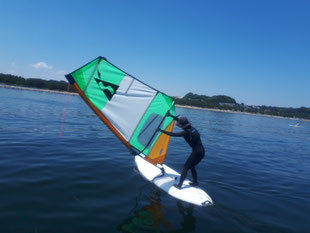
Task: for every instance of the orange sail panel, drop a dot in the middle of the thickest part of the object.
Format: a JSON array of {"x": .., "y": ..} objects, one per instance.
[{"x": 159, "y": 149}]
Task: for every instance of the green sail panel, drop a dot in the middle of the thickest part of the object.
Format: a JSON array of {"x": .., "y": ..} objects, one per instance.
[{"x": 98, "y": 80}]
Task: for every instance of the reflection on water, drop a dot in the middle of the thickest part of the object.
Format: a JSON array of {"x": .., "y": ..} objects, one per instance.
[
  {"x": 188, "y": 221},
  {"x": 150, "y": 217}
]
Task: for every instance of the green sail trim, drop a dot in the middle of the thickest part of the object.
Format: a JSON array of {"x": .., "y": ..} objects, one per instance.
[
  {"x": 159, "y": 106},
  {"x": 83, "y": 74},
  {"x": 93, "y": 77}
]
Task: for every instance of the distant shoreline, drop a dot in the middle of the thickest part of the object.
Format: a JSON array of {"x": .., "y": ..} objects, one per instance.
[
  {"x": 180, "y": 106},
  {"x": 236, "y": 112},
  {"x": 37, "y": 89}
]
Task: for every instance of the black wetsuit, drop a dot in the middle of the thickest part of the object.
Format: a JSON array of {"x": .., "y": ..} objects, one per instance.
[{"x": 192, "y": 137}]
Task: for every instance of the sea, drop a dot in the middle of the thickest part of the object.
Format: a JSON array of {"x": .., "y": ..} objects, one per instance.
[{"x": 81, "y": 178}]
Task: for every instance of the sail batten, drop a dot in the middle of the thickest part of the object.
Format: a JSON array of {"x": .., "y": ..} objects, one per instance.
[
  {"x": 131, "y": 109},
  {"x": 91, "y": 76}
]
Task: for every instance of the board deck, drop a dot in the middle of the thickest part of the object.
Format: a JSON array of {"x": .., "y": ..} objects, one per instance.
[{"x": 188, "y": 193}]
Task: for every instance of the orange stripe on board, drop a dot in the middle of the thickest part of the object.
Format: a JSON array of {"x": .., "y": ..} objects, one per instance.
[
  {"x": 101, "y": 116},
  {"x": 159, "y": 150}
]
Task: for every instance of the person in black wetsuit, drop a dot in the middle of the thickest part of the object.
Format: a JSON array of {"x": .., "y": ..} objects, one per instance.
[{"x": 192, "y": 137}]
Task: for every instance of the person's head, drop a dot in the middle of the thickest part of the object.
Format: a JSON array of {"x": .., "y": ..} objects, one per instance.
[{"x": 183, "y": 123}]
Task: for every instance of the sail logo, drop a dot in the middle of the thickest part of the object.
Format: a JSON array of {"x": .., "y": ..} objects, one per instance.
[{"x": 109, "y": 89}]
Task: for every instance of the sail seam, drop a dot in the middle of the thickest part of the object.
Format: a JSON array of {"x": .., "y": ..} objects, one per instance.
[
  {"x": 92, "y": 75},
  {"x": 155, "y": 132},
  {"x": 157, "y": 128},
  {"x": 129, "y": 85},
  {"x": 142, "y": 116},
  {"x": 139, "y": 80}
]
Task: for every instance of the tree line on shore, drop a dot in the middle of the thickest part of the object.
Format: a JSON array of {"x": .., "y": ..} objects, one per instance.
[
  {"x": 227, "y": 103},
  {"x": 217, "y": 102},
  {"x": 34, "y": 83}
]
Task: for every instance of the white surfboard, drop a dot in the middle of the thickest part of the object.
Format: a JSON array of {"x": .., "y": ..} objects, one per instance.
[{"x": 188, "y": 193}]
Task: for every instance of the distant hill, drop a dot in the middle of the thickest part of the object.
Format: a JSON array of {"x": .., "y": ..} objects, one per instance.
[
  {"x": 217, "y": 101},
  {"x": 227, "y": 103}
]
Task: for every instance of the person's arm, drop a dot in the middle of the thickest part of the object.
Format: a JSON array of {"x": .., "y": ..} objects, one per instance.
[
  {"x": 179, "y": 134},
  {"x": 174, "y": 117}
]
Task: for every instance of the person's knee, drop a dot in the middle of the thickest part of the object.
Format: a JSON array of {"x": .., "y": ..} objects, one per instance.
[
  {"x": 191, "y": 167},
  {"x": 186, "y": 167}
]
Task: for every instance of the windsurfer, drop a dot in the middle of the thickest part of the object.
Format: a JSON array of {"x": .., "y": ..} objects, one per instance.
[{"x": 192, "y": 137}]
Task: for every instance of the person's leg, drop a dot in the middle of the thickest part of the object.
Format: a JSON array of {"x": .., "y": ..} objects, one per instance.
[
  {"x": 191, "y": 162},
  {"x": 197, "y": 157},
  {"x": 187, "y": 166},
  {"x": 195, "y": 176},
  {"x": 183, "y": 176}
]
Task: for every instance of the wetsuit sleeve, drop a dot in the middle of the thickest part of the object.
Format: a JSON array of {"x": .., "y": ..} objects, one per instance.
[
  {"x": 179, "y": 134},
  {"x": 174, "y": 117}
]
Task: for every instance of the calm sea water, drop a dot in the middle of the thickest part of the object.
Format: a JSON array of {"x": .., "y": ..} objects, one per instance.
[{"x": 257, "y": 171}]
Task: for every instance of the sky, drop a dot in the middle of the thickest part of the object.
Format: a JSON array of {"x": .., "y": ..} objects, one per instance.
[{"x": 255, "y": 51}]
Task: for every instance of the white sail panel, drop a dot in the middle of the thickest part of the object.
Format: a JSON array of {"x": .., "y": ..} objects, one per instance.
[{"x": 128, "y": 106}]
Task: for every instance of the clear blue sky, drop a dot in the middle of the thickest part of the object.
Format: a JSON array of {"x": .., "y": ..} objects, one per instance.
[{"x": 257, "y": 52}]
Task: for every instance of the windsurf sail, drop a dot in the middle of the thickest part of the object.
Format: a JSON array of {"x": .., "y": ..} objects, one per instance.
[{"x": 131, "y": 109}]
